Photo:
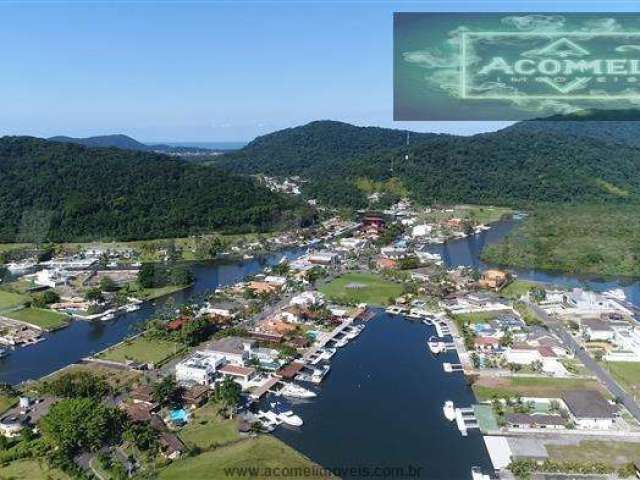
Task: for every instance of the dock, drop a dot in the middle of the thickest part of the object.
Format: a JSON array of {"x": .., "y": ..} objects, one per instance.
[
  {"x": 322, "y": 343},
  {"x": 442, "y": 329},
  {"x": 466, "y": 420},
  {"x": 452, "y": 367},
  {"x": 264, "y": 388}
]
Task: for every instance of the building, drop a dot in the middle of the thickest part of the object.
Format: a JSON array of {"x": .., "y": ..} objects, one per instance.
[
  {"x": 307, "y": 299},
  {"x": 196, "y": 396},
  {"x": 324, "y": 258},
  {"x": 536, "y": 420},
  {"x": 242, "y": 374},
  {"x": 373, "y": 224},
  {"x": 234, "y": 350},
  {"x": 142, "y": 394},
  {"x": 199, "y": 369},
  {"x": 226, "y": 309},
  {"x": 495, "y": 279},
  {"x": 589, "y": 409},
  {"x": 595, "y": 330}
]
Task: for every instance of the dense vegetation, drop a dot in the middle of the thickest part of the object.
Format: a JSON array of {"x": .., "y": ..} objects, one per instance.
[
  {"x": 61, "y": 192},
  {"x": 590, "y": 239},
  {"x": 510, "y": 167}
]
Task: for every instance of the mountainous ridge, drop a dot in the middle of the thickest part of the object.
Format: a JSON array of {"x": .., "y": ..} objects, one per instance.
[{"x": 51, "y": 191}]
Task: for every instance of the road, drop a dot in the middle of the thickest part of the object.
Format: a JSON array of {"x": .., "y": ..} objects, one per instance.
[{"x": 600, "y": 373}]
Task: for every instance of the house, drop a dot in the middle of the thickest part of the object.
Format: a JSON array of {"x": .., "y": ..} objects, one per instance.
[
  {"x": 327, "y": 259},
  {"x": 243, "y": 374},
  {"x": 373, "y": 224},
  {"x": 522, "y": 356},
  {"x": 494, "y": 279},
  {"x": 383, "y": 263},
  {"x": 268, "y": 357},
  {"x": 138, "y": 412},
  {"x": 199, "y": 368},
  {"x": 486, "y": 344},
  {"x": 142, "y": 394},
  {"x": 196, "y": 396},
  {"x": 595, "y": 330},
  {"x": 535, "y": 420},
  {"x": 235, "y": 350},
  {"x": 171, "y": 446},
  {"x": 261, "y": 288},
  {"x": 276, "y": 280},
  {"x": 589, "y": 409},
  {"x": 394, "y": 253},
  {"x": 289, "y": 372},
  {"x": 226, "y": 309},
  {"x": 353, "y": 243},
  {"x": 178, "y": 323},
  {"x": 421, "y": 231},
  {"x": 308, "y": 298}
]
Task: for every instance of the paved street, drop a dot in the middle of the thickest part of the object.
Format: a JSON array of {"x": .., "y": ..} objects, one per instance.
[{"x": 602, "y": 375}]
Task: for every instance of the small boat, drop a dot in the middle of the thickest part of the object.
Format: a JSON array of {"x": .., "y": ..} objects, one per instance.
[
  {"x": 108, "y": 316},
  {"x": 435, "y": 345},
  {"x": 342, "y": 342},
  {"x": 281, "y": 413},
  {"x": 449, "y": 411},
  {"x": 615, "y": 294},
  {"x": 246, "y": 256},
  {"x": 327, "y": 353},
  {"x": 296, "y": 391},
  {"x": 476, "y": 474},
  {"x": 132, "y": 308}
]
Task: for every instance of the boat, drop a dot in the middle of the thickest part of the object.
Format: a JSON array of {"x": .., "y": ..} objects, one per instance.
[
  {"x": 132, "y": 308},
  {"x": 327, "y": 353},
  {"x": 616, "y": 294},
  {"x": 319, "y": 373},
  {"x": 246, "y": 256},
  {"x": 284, "y": 413},
  {"x": 108, "y": 316},
  {"x": 296, "y": 391},
  {"x": 476, "y": 474},
  {"x": 435, "y": 345},
  {"x": 449, "y": 411},
  {"x": 342, "y": 342}
]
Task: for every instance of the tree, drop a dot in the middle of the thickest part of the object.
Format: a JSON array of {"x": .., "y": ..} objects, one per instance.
[
  {"x": 78, "y": 384},
  {"x": 228, "y": 394},
  {"x": 77, "y": 424},
  {"x": 94, "y": 295},
  {"x": 147, "y": 275},
  {"x": 195, "y": 331},
  {"x": 181, "y": 275},
  {"x": 107, "y": 284},
  {"x": 281, "y": 268},
  {"x": 143, "y": 436},
  {"x": 168, "y": 392},
  {"x": 45, "y": 298},
  {"x": 507, "y": 339}
]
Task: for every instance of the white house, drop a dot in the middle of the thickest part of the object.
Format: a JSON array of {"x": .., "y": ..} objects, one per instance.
[
  {"x": 522, "y": 356},
  {"x": 199, "y": 368},
  {"x": 589, "y": 409},
  {"x": 307, "y": 298}
]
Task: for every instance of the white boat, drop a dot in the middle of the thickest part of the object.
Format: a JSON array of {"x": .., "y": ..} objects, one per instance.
[
  {"x": 327, "y": 353},
  {"x": 246, "y": 256},
  {"x": 616, "y": 294},
  {"x": 449, "y": 411},
  {"x": 108, "y": 316},
  {"x": 296, "y": 391},
  {"x": 132, "y": 308},
  {"x": 284, "y": 413},
  {"x": 476, "y": 474},
  {"x": 319, "y": 373},
  {"x": 342, "y": 342},
  {"x": 435, "y": 345}
]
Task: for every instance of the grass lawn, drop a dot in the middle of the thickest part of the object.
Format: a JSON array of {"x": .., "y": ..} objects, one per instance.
[
  {"x": 476, "y": 317},
  {"x": 611, "y": 453},
  {"x": 41, "y": 317},
  {"x": 31, "y": 469},
  {"x": 627, "y": 374},
  {"x": 207, "y": 430},
  {"x": 157, "y": 292},
  {"x": 11, "y": 300},
  {"x": 116, "y": 378},
  {"x": 264, "y": 452},
  {"x": 20, "y": 286},
  {"x": 517, "y": 289},
  {"x": 7, "y": 402},
  {"x": 142, "y": 350},
  {"x": 486, "y": 387},
  {"x": 361, "y": 288}
]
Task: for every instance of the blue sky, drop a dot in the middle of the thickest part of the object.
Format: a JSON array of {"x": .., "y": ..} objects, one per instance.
[{"x": 211, "y": 71}]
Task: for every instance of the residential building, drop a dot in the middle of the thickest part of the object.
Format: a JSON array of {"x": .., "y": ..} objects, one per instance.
[{"x": 589, "y": 409}]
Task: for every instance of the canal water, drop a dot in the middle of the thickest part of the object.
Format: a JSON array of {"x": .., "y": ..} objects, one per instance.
[
  {"x": 82, "y": 338},
  {"x": 381, "y": 407}
]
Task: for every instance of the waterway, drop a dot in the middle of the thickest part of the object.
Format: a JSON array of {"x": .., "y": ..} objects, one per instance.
[
  {"x": 381, "y": 407},
  {"x": 82, "y": 338}
]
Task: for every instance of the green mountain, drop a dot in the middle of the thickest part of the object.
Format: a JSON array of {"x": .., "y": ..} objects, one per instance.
[
  {"x": 610, "y": 126},
  {"x": 511, "y": 167},
  {"x": 105, "y": 141},
  {"x": 63, "y": 192}
]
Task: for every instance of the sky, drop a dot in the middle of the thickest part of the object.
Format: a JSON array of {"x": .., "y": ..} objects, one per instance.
[{"x": 211, "y": 71}]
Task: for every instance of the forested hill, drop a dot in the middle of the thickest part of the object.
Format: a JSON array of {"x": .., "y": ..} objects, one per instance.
[
  {"x": 324, "y": 142},
  {"x": 62, "y": 192},
  {"x": 105, "y": 141},
  {"x": 610, "y": 126},
  {"x": 510, "y": 167}
]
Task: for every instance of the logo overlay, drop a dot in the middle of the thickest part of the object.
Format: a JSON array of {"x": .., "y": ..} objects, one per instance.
[{"x": 514, "y": 66}]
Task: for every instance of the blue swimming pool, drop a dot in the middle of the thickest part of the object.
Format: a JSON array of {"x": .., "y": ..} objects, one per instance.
[{"x": 179, "y": 416}]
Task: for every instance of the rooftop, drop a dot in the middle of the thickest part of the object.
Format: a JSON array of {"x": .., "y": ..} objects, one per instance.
[{"x": 588, "y": 404}]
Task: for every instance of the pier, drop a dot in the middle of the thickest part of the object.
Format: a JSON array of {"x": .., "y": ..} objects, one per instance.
[
  {"x": 437, "y": 347},
  {"x": 322, "y": 343},
  {"x": 466, "y": 419},
  {"x": 442, "y": 329},
  {"x": 452, "y": 367}
]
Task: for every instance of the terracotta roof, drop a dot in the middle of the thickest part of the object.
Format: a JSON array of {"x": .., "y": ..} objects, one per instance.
[
  {"x": 290, "y": 370},
  {"x": 486, "y": 341},
  {"x": 236, "y": 370},
  {"x": 138, "y": 412},
  {"x": 143, "y": 393}
]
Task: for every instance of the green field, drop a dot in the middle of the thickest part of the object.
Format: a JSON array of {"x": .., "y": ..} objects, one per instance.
[
  {"x": 264, "y": 452},
  {"x": 353, "y": 288},
  {"x": 486, "y": 388},
  {"x": 627, "y": 374},
  {"x": 7, "y": 402},
  {"x": 206, "y": 429},
  {"x": 43, "y": 318},
  {"x": 476, "y": 317},
  {"x": 517, "y": 289},
  {"x": 157, "y": 292},
  {"x": 32, "y": 470},
  {"x": 611, "y": 453},
  {"x": 142, "y": 350},
  {"x": 587, "y": 239},
  {"x": 10, "y": 300}
]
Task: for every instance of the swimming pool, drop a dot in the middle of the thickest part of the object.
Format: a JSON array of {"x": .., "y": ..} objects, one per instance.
[{"x": 179, "y": 416}]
